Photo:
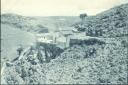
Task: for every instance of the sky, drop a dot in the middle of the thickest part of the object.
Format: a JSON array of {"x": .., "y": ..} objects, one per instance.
[{"x": 57, "y": 7}]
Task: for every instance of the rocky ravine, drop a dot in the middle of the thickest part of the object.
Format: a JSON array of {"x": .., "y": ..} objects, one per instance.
[{"x": 80, "y": 64}]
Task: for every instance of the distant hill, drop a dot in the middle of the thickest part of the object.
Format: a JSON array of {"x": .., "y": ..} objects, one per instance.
[
  {"x": 21, "y": 22},
  {"x": 34, "y": 24}
]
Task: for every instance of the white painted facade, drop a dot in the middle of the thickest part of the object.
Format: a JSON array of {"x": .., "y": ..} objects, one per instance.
[
  {"x": 45, "y": 38},
  {"x": 59, "y": 37}
]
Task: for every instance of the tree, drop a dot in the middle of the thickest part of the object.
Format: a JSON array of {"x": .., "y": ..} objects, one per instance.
[{"x": 82, "y": 16}]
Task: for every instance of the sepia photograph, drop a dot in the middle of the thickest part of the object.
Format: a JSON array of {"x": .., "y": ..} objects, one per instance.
[{"x": 64, "y": 42}]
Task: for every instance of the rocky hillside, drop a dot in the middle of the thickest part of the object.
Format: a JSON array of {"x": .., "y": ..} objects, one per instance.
[
  {"x": 111, "y": 23},
  {"x": 92, "y": 64},
  {"x": 95, "y": 63}
]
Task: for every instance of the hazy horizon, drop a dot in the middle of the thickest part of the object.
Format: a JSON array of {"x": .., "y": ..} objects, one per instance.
[{"x": 57, "y": 7}]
